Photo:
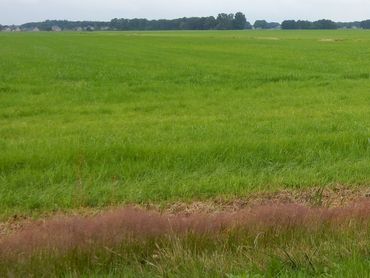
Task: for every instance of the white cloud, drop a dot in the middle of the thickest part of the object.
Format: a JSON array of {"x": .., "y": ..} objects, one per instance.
[{"x": 20, "y": 11}]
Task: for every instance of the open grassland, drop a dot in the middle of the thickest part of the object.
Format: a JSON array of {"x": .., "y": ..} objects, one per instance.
[{"x": 94, "y": 120}]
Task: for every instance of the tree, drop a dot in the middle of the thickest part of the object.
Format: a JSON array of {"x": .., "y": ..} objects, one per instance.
[
  {"x": 248, "y": 25},
  {"x": 304, "y": 24},
  {"x": 365, "y": 24},
  {"x": 210, "y": 23},
  {"x": 289, "y": 25},
  {"x": 273, "y": 25},
  {"x": 137, "y": 24},
  {"x": 240, "y": 21},
  {"x": 225, "y": 21},
  {"x": 260, "y": 24},
  {"x": 349, "y": 25},
  {"x": 325, "y": 24},
  {"x": 263, "y": 24}
]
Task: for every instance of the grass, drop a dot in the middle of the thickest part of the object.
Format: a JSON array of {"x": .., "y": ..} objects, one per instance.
[
  {"x": 89, "y": 120},
  {"x": 97, "y": 119},
  {"x": 296, "y": 254},
  {"x": 271, "y": 241},
  {"x": 107, "y": 118}
]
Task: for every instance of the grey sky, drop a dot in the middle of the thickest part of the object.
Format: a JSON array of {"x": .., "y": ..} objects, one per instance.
[{"x": 21, "y": 11}]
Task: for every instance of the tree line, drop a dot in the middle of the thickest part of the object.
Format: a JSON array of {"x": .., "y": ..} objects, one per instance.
[
  {"x": 223, "y": 21},
  {"x": 323, "y": 24}
]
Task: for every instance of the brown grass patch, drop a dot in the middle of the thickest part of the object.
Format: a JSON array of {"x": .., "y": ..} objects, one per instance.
[
  {"x": 329, "y": 197},
  {"x": 112, "y": 228},
  {"x": 268, "y": 38},
  {"x": 331, "y": 40}
]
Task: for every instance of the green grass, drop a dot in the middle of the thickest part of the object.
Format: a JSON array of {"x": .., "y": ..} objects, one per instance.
[{"x": 96, "y": 119}]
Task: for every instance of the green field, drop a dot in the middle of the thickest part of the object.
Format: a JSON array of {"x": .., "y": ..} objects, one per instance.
[
  {"x": 96, "y": 119},
  {"x": 91, "y": 120}
]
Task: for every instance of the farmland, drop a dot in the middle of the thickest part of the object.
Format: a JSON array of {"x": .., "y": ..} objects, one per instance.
[{"x": 97, "y": 120}]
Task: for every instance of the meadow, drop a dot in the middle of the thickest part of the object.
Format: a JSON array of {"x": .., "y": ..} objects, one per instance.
[
  {"x": 95, "y": 119},
  {"x": 91, "y": 120}
]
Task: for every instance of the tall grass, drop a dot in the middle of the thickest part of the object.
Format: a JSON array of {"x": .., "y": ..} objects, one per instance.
[{"x": 272, "y": 240}]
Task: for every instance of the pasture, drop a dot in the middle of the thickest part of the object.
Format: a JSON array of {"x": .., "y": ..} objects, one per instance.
[{"x": 96, "y": 120}]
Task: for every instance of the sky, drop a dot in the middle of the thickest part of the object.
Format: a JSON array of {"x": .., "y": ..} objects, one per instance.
[{"x": 22, "y": 11}]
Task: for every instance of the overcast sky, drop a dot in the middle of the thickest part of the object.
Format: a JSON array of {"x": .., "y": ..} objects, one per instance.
[{"x": 21, "y": 11}]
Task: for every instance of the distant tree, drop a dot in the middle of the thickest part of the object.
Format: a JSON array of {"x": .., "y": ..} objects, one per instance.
[
  {"x": 222, "y": 22},
  {"x": 263, "y": 24},
  {"x": 137, "y": 24},
  {"x": 186, "y": 23},
  {"x": 240, "y": 21},
  {"x": 349, "y": 25},
  {"x": 289, "y": 25},
  {"x": 248, "y": 25},
  {"x": 225, "y": 21},
  {"x": 304, "y": 24},
  {"x": 365, "y": 24},
  {"x": 119, "y": 24},
  {"x": 209, "y": 23},
  {"x": 274, "y": 25},
  {"x": 260, "y": 24},
  {"x": 325, "y": 24}
]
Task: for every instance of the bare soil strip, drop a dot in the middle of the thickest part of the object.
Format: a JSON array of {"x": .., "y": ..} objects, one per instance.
[{"x": 333, "y": 197}]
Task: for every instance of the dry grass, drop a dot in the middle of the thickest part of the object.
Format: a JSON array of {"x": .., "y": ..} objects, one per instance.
[
  {"x": 330, "y": 197},
  {"x": 112, "y": 228},
  {"x": 131, "y": 242}
]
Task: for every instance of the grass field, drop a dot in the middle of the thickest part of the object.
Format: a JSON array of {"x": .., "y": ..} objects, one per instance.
[
  {"x": 105, "y": 118},
  {"x": 90, "y": 120}
]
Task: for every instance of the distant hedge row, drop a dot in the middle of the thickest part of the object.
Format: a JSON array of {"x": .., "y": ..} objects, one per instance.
[
  {"x": 323, "y": 24},
  {"x": 223, "y": 21}
]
